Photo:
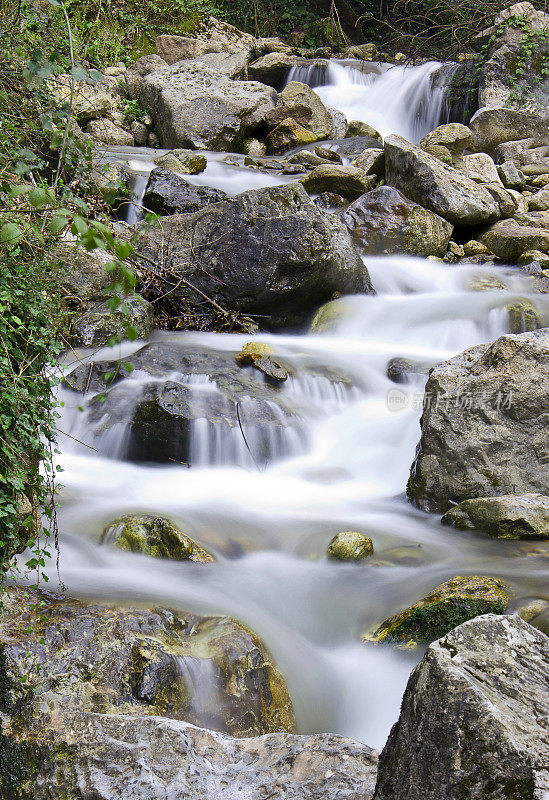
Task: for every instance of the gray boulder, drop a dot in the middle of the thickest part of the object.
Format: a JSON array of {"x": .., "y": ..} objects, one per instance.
[
  {"x": 296, "y": 93},
  {"x": 196, "y": 106},
  {"x": 512, "y": 516},
  {"x": 271, "y": 69},
  {"x": 474, "y": 721},
  {"x": 384, "y": 221},
  {"x": 270, "y": 252},
  {"x": 509, "y": 238},
  {"x": 483, "y": 429},
  {"x": 212, "y": 37},
  {"x": 105, "y": 131},
  {"x": 152, "y": 758},
  {"x": 169, "y": 193},
  {"x": 99, "y": 324},
  {"x": 139, "y": 69},
  {"x": 426, "y": 180},
  {"x": 347, "y": 181},
  {"x": 495, "y": 126},
  {"x": 233, "y": 65}
]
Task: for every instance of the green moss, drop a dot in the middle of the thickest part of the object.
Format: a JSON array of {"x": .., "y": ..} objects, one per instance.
[
  {"x": 350, "y": 546},
  {"x": 411, "y": 489},
  {"x": 153, "y": 536}
]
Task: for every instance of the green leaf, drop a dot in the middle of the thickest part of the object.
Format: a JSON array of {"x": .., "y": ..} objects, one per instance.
[
  {"x": 79, "y": 226},
  {"x": 10, "y": 233}
]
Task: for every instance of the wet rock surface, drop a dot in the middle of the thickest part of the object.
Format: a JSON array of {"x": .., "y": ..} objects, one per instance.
[
  {"x": 169, "y": 193},
  {"x": 484, "y": 427},
  {"x": 270, "y": 252},
  {"x": 523, "y": 516},
  {"x": 473, "y": 722},
  {"x": 153, "y": 536}
]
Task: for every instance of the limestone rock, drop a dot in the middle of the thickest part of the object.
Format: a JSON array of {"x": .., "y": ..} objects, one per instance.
[
  {"x": 448, "y": 605},
  {"x": 168, "y": 193},
  {"x": 296, "y": 93},
  {"x": 523, "y": 316},
  {"x": 473, "y": 722},
  {"x": 371, "y": 161},
  {"x": 480, "y": 167},
  {"x": 447, "y": 142},
  {"x": 508, "y": 239},
  {"x": 270, "y": 251},
  {"x": 350, "y": 546},
  {"x": 483, "y": 426},
  {"x": 510, "y": 176},
  {"x": 357, "y": 128},
  {"x": 494, "y": 126},
  {"x": 426, "y": 180},
  {"x": 384, "y": 221},
  {"x": 539, "y": 201},
  {"x": 348, "y": 181},
  {"x": 139, "y": 69},
  {"x": 103, "y": 130},
  {"x": 99, "y": 324},
  {"x": 510, "y": 516},
  {"x": 271, "y": 69},
  {"x": 83, "y": 273},
  {"x": 153, "y": 536},
  {"x": 183, "y": 161},
  {"x": 139, "y": 662},
  {"x": 196, "y": 106},
  {"x": 287, "y": 135}
]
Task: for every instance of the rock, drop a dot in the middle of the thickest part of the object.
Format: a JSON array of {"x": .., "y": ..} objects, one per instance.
[
  {"x": 213, "y": 37},
  {"x": 270, "y": 44},
  {"x": 83, "y": 275},
  {"x": 254, "y": 148},
  {"x": 153, "y": 536},
  {"x": 99, "y": 324},
  {"x": 356, "y": 145},
  {"x": 153, "y": 141},
  {"x": 505, "y": 200},
  {"x": 350, "y": 546},
  {"x": 494, "y": 126},
  {"x": 258, "y": 355},
  {"x": 173, "y": 48},
  {"x": 196, "y": 106},
  {"x": 510, "y": 176},
  {"x": 473, "y": 721},
  {"x": 90, "y": 101},
  {"x": 364, "y": 52},
  {"x": 168, "y": 193},
  {"x": 523, "y": 317},
  {"x": 400, "y": 370},
  {"x": 480, "y": 167},
  {"x": 271, "y": 69},
  {"x": 330, "y": 201},
  {"x": 296, "y": 93},
  {"x": 384, "y": 221},
  {"x": 449, "y": 605},
  {"x": 298, "y": 112},
  {"x": 371, "y": 161},
  {"x": 103, "y": 130},
  {"x": 287, "y": 135},
  {"x": 184, "y": 161},
  {"x": 539, "y": 201},
  {"x": 139, "y": 69},
  {"x": 446, "y": 191},
  {"x": 142, "y": 662},
  {"x": 140, "y": 133},
  {"x": 275, "y": 252},
  {"x": 94, "y": 754},
  {"x": 483, "y": 424},
  {"x": 350, "y": 182},
  {"x": 508, "y": 239},
  {"x": 475, "y": 248},
  {"x": 510, "y": 516},
  {"x": 306, "y": 159},
  {"x": 447, "y": 142},
  {"x": 327, "y": 154},
  {"x": 340, "y": 122},
  {"x": 232, "y": 65},
  {"x": 357, "y": 128}
]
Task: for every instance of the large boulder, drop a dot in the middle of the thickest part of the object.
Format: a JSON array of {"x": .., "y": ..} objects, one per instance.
[
  {"x": 296, "y": 93},
  {"x": 450, "y": 604},
  {"x": 82, "y": 273},
  {"x": 483, "y": 429},
  {"x": 495, "y": 126},
  {"x": 513, "y": 74},
  {"x": 109, "y": 660},
  {"x": 271, "y": 69},
  {"x": 212, "y": 37},
  {"x": 99, "y": 324},
  {"x": 473, "y": 722},
  {"x": 169, "y": 193},
  {"x": 139, "y": 69},
  {"x": 115, "y": 757},
  {"x": 512, "y": 516},
  {"x": 384, "y": 221},
  {"x": 448, "y": 142},
  {"x": 442, "y": 189},
  {"x": 270, "y": 252},
  {"x": 196, "y": 106},
  {"x": 154, "y": 536},
  {"x": 105, "y": 131},
  {"x": 510, "y": 238}
]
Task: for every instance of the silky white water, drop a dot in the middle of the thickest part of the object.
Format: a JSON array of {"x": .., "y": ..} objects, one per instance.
[{"x": 341, "y": 463}]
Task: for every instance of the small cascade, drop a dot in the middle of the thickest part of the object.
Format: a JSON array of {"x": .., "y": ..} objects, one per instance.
[
  {"x": 312, "y": 74},
  {"x": 201, "y": 681}
]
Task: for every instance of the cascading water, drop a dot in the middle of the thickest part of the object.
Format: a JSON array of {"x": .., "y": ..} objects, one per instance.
[
  {"x": 342, "y": 464},
  {"x": 401, "y": 99}
]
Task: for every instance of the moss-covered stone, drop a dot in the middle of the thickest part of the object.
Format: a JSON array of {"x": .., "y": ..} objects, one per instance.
[
  {"x": 443, "y": 609},
  {"x": 358, "y": 128},
  {"x": 509, "y": 516},
  {"x": 153, "y": 536},
  {"x": 523, "y": 317},
  {"x": 350, "y": 546},
  {"x": 184, "y": 161}
]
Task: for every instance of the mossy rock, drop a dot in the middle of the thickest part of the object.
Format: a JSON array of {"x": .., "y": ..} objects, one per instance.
[
  {"x": 358, "y": 128},
  {"x": 153, "y": 536},
  {"x": 511, "y": 516},
  {"x": 350, "y": 546},
  {"x": 523, "y": 317},
  {"x": 184, "y": 161},
  {"x": 258, "y": 355},
  {"x": 446, "y": 607},
  {"x": 330, "y": 315}
]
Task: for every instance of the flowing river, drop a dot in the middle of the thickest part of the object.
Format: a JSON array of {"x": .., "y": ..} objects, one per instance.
[{"x": 268, "y": 510}]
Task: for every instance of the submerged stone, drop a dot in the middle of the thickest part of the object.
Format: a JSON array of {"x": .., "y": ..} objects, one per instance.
[
  {"x": 509, "y": 516},
  {"x": 350, "y": 546},
  {"x": 153, "y": 536},
  {"x": 447, "y": 606}
]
